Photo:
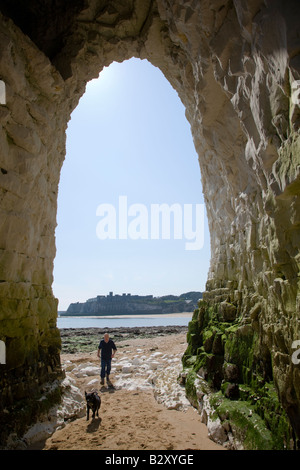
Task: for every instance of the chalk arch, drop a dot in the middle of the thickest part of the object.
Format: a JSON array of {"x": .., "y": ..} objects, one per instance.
[{"x": 224, "y": 63}]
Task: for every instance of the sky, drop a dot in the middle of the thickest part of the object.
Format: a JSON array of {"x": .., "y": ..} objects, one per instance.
[{"x": 129, "y": 151}]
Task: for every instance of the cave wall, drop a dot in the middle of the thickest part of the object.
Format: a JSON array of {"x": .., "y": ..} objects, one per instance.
[
  {"x": 234, "y": 65},
  {"x": 31, "y": 151}
]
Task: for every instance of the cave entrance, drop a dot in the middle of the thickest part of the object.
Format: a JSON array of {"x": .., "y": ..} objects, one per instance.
[
  {"x": 245, "y": 140},
  {"x": 46, "y": 72},
  {"x": 129, "y": 142}
]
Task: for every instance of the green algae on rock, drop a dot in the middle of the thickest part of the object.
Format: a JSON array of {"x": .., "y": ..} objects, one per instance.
[{"x": 230, "y": 383}]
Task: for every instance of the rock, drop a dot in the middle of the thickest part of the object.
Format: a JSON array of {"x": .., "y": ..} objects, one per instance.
[
  {"x": 86, "y": 371},
  {"x": 153, "y": 365},
  {"x": 231, "y": 372},
  {"x": 160, "y": 375},
  {"x": 227, "y": 311},
  {"x": 15, "y": 443},
  {"x": 232, "y": 391},
  {"x": 72, "y": 406},
  {"x": 236, "y": 70},
  {"x": 69, "y": 366},
  {"x": 216, "y": 431},
  {"x": 156, "y": 355},
  {"x": 93, "y": 382},
  {"x": 136, "y": 361}
]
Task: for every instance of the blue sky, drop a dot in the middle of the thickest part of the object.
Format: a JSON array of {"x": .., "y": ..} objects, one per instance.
[{"x": 128, "y": 137}]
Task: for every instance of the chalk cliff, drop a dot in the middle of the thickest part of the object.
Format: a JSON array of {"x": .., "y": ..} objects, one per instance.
[{"x": 135, "y": 304}]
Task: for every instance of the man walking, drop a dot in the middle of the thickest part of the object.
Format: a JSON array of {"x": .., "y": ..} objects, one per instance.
[{"x": 108, "y": 350}]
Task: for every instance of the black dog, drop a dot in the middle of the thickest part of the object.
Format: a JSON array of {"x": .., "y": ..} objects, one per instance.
[{"x": 93, "y": 402}]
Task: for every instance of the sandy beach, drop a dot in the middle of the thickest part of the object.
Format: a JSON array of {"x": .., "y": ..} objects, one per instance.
[{"x": 146, "y": 409}]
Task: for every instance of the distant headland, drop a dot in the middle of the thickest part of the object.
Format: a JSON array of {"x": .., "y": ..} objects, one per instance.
[{"x": 128, "y": 304}]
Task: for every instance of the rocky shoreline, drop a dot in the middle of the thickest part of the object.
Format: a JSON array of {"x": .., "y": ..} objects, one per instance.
[
  {"x": 76, "y": 340},
  {"x": 146, "y": 409}
]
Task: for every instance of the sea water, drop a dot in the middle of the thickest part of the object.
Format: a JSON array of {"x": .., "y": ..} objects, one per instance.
[{"x": 104, "y": 322}]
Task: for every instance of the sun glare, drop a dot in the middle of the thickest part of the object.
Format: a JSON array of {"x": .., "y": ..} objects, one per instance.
[{"x": 106, "y": 79}]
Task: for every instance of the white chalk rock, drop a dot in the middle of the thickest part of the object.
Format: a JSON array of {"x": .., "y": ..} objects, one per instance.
[
  {"x": 136, "y": 361},
  {"x": 84, "y": 365},
  {"x": 216, "y": 432},
  {"x": 68, "y": 366},
  {"x": 93, "y": 382},
  {"x": 72, "y": 406},
  {"x": 156, "y": 354},
  {"x": 87, "y": 371},
  {"x": 153, "y": 365}
]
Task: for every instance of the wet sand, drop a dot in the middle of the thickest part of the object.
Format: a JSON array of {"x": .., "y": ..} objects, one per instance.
[{"x": 131, "y": 418}]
